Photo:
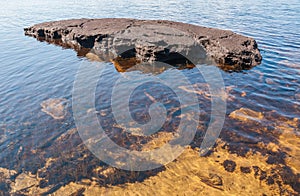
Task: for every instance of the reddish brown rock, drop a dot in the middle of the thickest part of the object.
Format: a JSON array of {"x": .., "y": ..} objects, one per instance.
[
  {"x": 55, "y": 107},
  {"x": 229, "y": 50},
  {"x": 246, "y": 115}
]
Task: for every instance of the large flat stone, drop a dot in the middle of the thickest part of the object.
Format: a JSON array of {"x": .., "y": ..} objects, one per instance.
[{"x": 151, "y": 40}]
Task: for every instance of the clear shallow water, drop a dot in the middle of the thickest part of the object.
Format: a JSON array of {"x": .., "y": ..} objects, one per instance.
[{"x": 32, "y": 71}]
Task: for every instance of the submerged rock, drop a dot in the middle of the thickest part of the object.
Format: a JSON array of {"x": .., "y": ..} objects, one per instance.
[
  {"x": 24, "y": 181},
  {"x": 150, "y": 40},
  {"x": 6, "y": 177},
  {"x": 229, "y": 165},
  {"x": 245, "y": 170},
  {"x": 55, "y": 107},
  {"x": 245, "y": 114}
]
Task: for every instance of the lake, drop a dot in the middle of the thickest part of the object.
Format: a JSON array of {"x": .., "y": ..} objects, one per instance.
[{"x": 36, "y": 144}]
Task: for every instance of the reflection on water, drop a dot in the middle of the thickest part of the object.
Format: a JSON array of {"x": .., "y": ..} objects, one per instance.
[{"x": 263, "y": 149}]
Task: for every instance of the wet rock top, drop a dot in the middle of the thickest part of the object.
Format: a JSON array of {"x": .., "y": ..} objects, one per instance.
[{"x": 225, "y": 47}]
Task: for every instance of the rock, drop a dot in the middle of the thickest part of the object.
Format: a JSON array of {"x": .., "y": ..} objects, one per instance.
[
  {"x": 6, "y": 173},
  {"x": 93, "y": 57},
  {"x": 55, "y": 107},
  {"x": 78, "y": 192},
  {"x": 245, "y": 114},
  {"x": 67, "y": 135},
  {"x": 24, "y": 181},
  {"x": 150, "y": 40},
  {"x": 245, "y": 170},
  {"x": 215, "y": 179},
  {"x": 258, "y": 172},
  {"x": 270, "y": 81},
  {"x": 229, "y": 165},
  {"x": 6, "y": 177},
  {"x": 270, "y": 180}
]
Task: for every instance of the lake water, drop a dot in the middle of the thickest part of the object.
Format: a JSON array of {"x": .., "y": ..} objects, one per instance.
[{"x": 33, "y": 71}]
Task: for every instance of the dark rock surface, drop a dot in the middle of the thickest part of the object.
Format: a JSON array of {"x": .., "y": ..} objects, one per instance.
[
  {"x": 150, "y": 40},
  {"x": 229, "y": 165}
]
